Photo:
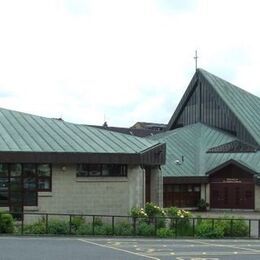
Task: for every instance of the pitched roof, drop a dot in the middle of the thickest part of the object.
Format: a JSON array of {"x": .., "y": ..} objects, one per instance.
[
  {"x": 186, "y": 151},
  {"x": 245, "y": 106},
  {"x": 21, "y": 132}
]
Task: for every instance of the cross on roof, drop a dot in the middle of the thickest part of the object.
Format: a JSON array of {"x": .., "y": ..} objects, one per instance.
[{"x": 196, "y": 60}]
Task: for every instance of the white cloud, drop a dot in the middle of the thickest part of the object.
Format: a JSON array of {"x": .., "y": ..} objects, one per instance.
[{"x": 123, "y": 59}]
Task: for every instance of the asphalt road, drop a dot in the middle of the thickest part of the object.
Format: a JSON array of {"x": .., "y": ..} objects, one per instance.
[{"x": 74, "y": 248}]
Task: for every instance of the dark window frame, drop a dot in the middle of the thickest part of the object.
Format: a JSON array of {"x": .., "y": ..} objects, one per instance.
[
  {"x": 49, "y": 178},
  {"x": 24, "y": 182},
  {"x": 85, "y": 172}
]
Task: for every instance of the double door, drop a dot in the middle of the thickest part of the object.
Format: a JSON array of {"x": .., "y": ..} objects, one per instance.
[{"x": 232, "y": 195}]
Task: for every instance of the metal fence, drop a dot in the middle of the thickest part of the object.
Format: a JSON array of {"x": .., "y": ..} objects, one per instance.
[{"x": 30, "y": 223}]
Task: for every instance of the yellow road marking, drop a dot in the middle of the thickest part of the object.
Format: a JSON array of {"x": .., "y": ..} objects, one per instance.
[
  {"x": 117, "y": 249},
  {"x": 227, "y": 246}
]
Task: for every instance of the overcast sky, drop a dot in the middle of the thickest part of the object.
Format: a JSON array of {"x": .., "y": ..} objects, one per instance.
[{"x": 121, "y": 61}]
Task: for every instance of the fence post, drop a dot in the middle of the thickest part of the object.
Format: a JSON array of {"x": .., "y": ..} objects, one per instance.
[
  {"x": 46, "y": 223},
  {"x": 93, "y": 225},
  {"x": 193, "y": 227},
  {"x": 259, "y": 228},
  {"x": 176, "y": 227},
  {"x": 22, "y": 224},
  {"x": 70, "y": 225},
  {"x": 113, "y": 225},
  {"x": 155, "y": 226},
  {"x": 231, "y": 228},
  {"x": 134, "y": 223},
  {"x": 249, "y": 228}
]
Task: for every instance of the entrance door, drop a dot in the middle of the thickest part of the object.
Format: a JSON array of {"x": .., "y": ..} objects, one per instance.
[
  {"x": 232, "y": 195},
  {"x": 232, "y": 187}
]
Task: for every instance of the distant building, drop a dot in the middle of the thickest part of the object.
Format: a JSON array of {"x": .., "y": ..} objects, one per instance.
[
  {"x": 149, "y": 126},
  {"x": 139, "y": 129}
]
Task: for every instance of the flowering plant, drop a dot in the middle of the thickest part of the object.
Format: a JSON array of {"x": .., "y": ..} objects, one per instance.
[
  {"x": 153, "y": 210},
  {"x": 138, "y": 213}
]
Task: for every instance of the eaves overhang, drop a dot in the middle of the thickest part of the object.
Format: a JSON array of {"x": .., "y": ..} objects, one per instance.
[{"x": 153, "y": 156}]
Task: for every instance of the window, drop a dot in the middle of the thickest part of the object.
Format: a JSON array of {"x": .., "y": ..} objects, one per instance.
[
  {"x": 101, "y": 170},
  {"x": 44, "y": 177},
  {"x": 4, "y": 183}
]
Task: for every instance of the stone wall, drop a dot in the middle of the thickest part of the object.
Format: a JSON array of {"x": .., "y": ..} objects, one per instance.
[
  {"x": 257, "y": 197},
  {"x": 157, "y": 186}
]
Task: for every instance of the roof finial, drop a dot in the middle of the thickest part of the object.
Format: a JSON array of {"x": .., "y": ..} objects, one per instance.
[{"x": 196, "y": 60}]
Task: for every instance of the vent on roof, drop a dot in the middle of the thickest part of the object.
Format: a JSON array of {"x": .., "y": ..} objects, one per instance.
[{"x": 233, "y": 147}]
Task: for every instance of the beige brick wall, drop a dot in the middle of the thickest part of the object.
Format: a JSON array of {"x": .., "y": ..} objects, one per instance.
[{"x": 92, "y": 195}]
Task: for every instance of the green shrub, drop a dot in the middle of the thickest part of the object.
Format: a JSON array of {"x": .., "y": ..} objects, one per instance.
[
  {"x": 233, "y": 227},
  {"x": 105, "y": 229},
  {"x": 240, "y": 228},
  {"x": 153, "y": 210},
  {"x": 123, "y": 229},
  {"x": 76, "y": 222},
  {"x": 6, "y": 223},
  {"x": 202, "y": 205},
  {"x": 58, "y": 227},
  {"x": 206, "y": 229},
  {"x": 165, "y": 232},
  {"x": 145, "y": 229},
  {"x": 98, "y": 221},
  {"x": 180, "y": 221},
  {"x": 84, "y": 229},
  {"x": 36, "y": 228}
]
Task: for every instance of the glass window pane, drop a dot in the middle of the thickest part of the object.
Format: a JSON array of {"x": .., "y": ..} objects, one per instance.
[
  {"x": 94, "y": 170},
  {"x": 82, "y": 170},
  {"x": 3, "y": 198},
  {"x": 29, "y": 170},
  {"x": 114, "y": 170},
  {"x": 44, "y": 170},
  {"x": 44, "y": 184},
  {"x": 29, "y": 183},
  {"x": 16, "y": 169},
  {"x": 3, "y": 170},
  {"x": 3, "y": 184}
]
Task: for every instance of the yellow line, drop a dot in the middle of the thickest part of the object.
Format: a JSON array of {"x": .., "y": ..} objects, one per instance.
[
  {"x": 227, "y": 246},
  {"x": 118, "y": 249}
]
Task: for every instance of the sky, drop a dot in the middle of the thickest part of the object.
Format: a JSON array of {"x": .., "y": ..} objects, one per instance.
[{"x": 121, "y": 61}]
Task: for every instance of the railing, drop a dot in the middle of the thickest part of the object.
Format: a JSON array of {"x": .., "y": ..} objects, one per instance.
[{"x": 108, "y": 225}]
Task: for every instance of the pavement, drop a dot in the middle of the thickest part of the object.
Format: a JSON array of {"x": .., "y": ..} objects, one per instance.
[
  {"x": 246, "y": 214},
  {"x": 79, "y": 248}
]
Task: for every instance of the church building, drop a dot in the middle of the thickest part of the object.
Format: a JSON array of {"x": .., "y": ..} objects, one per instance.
[{"x": 213, "y": 147}]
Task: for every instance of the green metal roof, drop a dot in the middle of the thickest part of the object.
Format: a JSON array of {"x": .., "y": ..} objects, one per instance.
[
  {"x": 243, "y": 104},
  {"x": 191, "y": 144},
  {"x": 21, "y": 132}
]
